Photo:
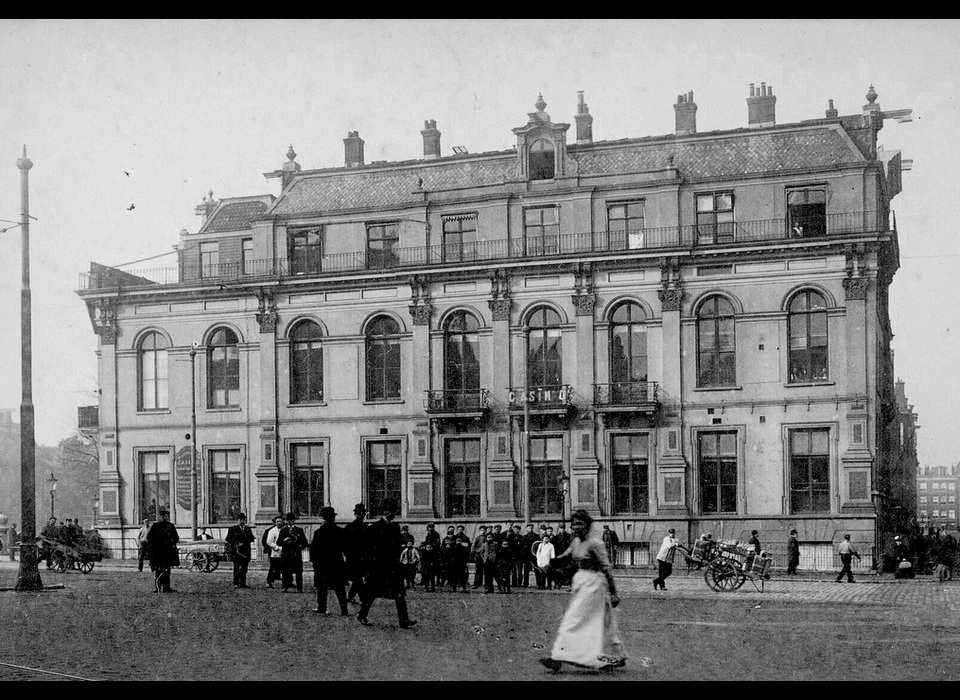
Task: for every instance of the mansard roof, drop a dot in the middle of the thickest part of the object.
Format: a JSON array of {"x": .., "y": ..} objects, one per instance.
[
  {"x": 233, "y": 215},
  {"x": 715, "y": 154}
]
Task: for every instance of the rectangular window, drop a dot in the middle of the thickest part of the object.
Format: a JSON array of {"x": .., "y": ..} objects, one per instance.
[
  {"x": 541, "y": 230},
  {"x": 246, "y": 256},
  {"x": 810, "y": 471},
  {"x": 807, "y": 212},
  {"x": 717, "y": 457},
  {"x": 546, "y": 469},
  {"x": 923, "y": 486},
  {"x": 923, "y": 500},
  {"x": 631, "y": 483},
  {"x": 625, "y": 224},
  {"x": 715, "y": 218},
  {"x": 307, "y": 466},
  {"x": 936, "y": 499},
  {"x": 952, "y": 486},
  {"x": 460, "y": 238},
  {"x": 224, "y": 485},
  {"x": 462, "y": 477},
  {"x": 382, "y": 241},
  {"x": 305, "y": 251},
  {"x": 383, "y": 474},
  {"x": 210, "y": 259},
  {"x": 154, "y": 483}
]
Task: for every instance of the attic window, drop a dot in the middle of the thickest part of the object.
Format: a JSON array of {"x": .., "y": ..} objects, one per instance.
[
  {"x": 807, "y": 209},
  {"x": 542, "y": 160}
]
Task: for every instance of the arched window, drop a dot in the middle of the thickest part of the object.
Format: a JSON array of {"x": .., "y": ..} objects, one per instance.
[
  {"x": 223, "y": 370},
  {"x": 716, "y": 344},
  {"x": 306, "y": 363},
  {"x": 808, "y": 337},
  {"x": 461, "y": 354},
  {"x": 542, "y": 160},
  {"x": 152, "y": 368},
  {"x": 628, "y": 353},
  {"x": 383, "y": 359},
  {"x": 544, "y": 366}
]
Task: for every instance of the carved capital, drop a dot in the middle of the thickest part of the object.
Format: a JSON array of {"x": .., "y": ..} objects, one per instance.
[
  {"x": 107, "y": 332},
  {"x": 421, "y": 313},
  {"x": 268, "y": 321},
  {"x": 584, "y": 303},
  {"x": 856, "y": 287},
  {"x": 670, "y": 299},
  {"x": 500, "y": 308}
]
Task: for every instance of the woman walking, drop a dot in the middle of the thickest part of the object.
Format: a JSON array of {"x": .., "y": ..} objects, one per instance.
[{"x": 588, "y": 635}]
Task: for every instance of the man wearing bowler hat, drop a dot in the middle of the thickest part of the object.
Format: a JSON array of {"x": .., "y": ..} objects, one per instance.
[
  {"x": 239, "y": 539},
  {"x": 326, "y": 555},
  {"x": 665, "y": 559},
  {"x": 382, "y": 563}
]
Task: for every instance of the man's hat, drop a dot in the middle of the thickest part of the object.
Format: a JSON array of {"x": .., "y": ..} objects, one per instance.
[
  {"x": 328, "y": 512},
  {"x": 241, "y": 516},
  {"x": 793, "y": 532},
  {"x": 672, "y": 531},
  {"x": 359, "y": 507},
  {"x": 290, "y": 516},
  {"x": 163, "y": 512}
]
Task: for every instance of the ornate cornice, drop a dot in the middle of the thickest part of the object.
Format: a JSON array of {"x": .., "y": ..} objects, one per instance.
[
  {"x": 671, "y": 299},
  {"x": 856, "y": 288},
  {"x": 421, "y": 313}
]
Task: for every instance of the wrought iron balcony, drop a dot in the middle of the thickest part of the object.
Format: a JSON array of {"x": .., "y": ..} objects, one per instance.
[
  {"x": 457, "y": 402},
  {"x": 626, "y": 396},
  {"x": 544, "y": 399},
  {"x": 774, "y": 231}
]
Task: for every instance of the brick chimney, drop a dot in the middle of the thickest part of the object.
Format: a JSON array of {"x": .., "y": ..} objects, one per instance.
[
  {"x": 686, "y": 113},
  {"x": 353, "y": 149},
  {"x": 431, "y": 140},
  {"x": 584, "y": 121},
  {"x": 831, "y": 113},
  {"x": 761, "y": 106}
]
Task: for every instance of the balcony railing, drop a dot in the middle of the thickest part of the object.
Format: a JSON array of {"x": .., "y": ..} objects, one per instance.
[
  {"x": 626, "y": 395},
  {"x": 519, "y": 248},
  {"x": 456, "y": 401},
  {"x": 540, "y": 398}
]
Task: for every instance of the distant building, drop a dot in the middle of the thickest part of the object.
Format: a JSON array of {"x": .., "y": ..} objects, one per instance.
[
  {"x": 687, "y": 331},
  {"x": 937, "y": 498}
]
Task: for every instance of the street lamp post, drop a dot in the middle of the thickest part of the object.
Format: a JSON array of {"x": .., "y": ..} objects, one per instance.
[
  {"x": 28, "y": 576},
  {"x": 193, "y": 442},
  {"x": 53, "y": 492}
]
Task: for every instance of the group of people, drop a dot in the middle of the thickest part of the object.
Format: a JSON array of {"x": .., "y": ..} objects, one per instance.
[{"x": 69, "y": 532}]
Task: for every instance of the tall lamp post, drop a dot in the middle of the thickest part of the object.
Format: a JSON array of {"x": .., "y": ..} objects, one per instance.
[
  {"x": 28, "y": 576},
  {"x": 53, "y": 493}
]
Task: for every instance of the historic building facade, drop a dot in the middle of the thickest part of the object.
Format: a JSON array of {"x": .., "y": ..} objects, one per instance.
[{"x": 683, "y": 331}]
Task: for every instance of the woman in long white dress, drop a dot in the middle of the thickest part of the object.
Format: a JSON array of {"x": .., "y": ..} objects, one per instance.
[{"x": 589, "y": 636}]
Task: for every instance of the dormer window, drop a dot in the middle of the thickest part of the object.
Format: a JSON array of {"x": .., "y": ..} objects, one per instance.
[{"x": 542, "y": 160}]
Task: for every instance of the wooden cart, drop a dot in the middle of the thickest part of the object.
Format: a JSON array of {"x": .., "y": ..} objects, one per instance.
[{"x": 203, "y": 556}]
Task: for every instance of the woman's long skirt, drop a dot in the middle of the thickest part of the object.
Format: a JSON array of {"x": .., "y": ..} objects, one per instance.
[{"x": 588, "y": 634}]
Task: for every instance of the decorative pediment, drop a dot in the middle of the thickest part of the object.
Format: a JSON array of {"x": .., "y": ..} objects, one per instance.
[{"x": 541, "y": 146}]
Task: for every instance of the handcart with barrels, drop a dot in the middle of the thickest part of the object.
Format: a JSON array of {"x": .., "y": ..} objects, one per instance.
[
  {"x": 203, "y": 556},
  {"x": 81, "y": 555},
  {"x": 728, "y": 564}
]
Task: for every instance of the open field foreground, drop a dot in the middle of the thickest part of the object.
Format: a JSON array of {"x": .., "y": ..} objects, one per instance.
[{"x": 109, "y": 625}]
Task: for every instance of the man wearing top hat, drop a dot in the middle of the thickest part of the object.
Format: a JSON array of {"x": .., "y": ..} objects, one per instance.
[
  {"x": 353, "y": 551},
  {"x": 326, "y": 555}
]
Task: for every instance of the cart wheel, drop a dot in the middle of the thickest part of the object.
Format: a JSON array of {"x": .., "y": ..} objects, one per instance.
[
  {"x": 86, "y": 567},
  {"x": 60, "y": 562},
  {"x": 722, "y": 575},
  {"x": 213, "y": 561},
  {"x": 197, "y": 562}
]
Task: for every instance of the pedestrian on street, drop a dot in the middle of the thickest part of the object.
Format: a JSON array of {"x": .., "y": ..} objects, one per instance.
[
  {"x": 488, "y": 561},
  {"x": 271, "y": 546},
  {"x": 793, "y": 553},
  {"x": 381, "y": 556},
  {"x": 326, "y": 555},
  {"x": 162, "y": 544},
  {"x": 610, "y": 541},
  {"x": 847, "y": 552},
  {"x": 409, "y": 563},
  {"x": 353, "y": 550},
  {"x": 754, "y": 541},
  {"x": 530, "y": 539},
  {"x": 544, "y": 554},
  {"x": 142, "y": 543},
  {"x": 14, "y": 542},
  {"x": 479, "y": 542},
  {"x": 589, "y": 635},
  {"x": 463, "y": 556},
  {"x": 293, "y": 540},
  {"x": 239, "y": 538},
  {"x": 665, "y": 559}
]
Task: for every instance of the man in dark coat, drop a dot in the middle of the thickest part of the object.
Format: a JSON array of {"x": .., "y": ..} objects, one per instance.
[
  {"x": 353, "y": 550},
  {"x": 239, "y": 539},
  {"x": 793, "y": 553},
  {"x": 529, "y": 560},
  {"x": 293, "y": 540},
  {"x": 162, "y": 545},
  {"x": 326, "y": 555},
  {"x": 382, "y": 562}
]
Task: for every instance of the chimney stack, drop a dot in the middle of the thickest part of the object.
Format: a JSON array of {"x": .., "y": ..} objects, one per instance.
[
  {"x": 831, "y": 113},
  {"x": 761, "y": 106},
  {"x": 686, "y": 114},
  {"x": 353, "y": 149},
  {"x": 584, "y": 121},
  {"x": 431, "y": 140}
]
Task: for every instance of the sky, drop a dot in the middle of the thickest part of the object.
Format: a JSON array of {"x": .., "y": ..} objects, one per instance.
[{"x": 157, "y": 113}]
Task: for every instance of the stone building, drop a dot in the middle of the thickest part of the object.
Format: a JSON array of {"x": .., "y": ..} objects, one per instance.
[
  {"x": 937, "y": 489},
  {"x": 686, "y": 331}
]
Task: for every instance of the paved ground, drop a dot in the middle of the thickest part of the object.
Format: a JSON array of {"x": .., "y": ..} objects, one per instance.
[{"x": 108, "y": 625}]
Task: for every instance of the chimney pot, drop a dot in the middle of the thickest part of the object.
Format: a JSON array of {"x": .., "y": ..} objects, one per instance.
[
  {"x": 761, "y": 106},
  {"x": 583, "y": 120},
  {"x": 686, "y": 114},
  {"x": 431, "y": 140}
]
